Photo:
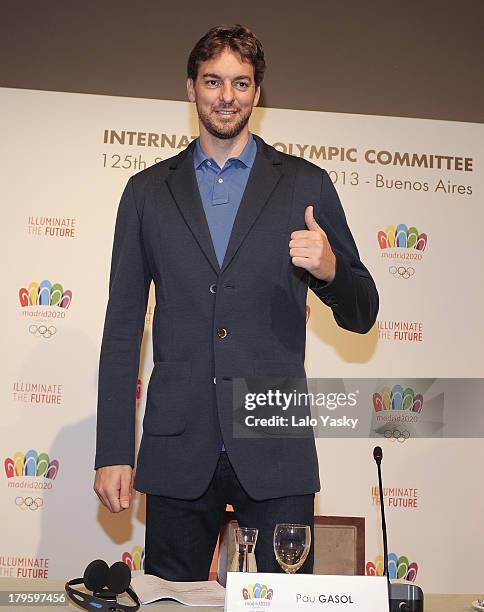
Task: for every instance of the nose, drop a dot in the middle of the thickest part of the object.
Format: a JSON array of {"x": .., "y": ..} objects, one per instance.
[{"x": 227, "y": 92}]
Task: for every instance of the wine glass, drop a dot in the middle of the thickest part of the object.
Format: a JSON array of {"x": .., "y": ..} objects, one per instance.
[{"x": 291, "y": 545}]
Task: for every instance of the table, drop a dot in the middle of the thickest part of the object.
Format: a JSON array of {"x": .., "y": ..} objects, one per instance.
[{"x": 433, "y": 602}]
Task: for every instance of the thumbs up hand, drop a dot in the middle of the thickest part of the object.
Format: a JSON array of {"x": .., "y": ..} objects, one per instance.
[{"x": 310, "y": 249}]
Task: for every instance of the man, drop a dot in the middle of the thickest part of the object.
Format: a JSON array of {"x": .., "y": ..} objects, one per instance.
[{"x": 232, "y": 233}]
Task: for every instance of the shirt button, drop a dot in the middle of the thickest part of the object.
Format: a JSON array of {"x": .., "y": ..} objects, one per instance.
[
  {"x": 209, "y": 163},
  {"x": 213, "y": 288},
  {"x": 222, "y": 332},
  {"x": 220, "y": 180}
]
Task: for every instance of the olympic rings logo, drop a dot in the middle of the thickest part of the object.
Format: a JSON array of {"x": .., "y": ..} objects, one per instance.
[
  {"x": 42, "y": 331},
  {"x": 401, "y": 271},
  {"x": 29, "y": 503},
  {"x": 396, "y": 434}
]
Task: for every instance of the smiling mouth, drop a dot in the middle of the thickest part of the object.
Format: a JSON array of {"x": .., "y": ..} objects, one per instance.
[{"x": 226, "y": 112}]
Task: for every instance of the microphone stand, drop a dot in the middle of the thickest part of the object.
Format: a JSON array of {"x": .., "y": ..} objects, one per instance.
[
  {"x": 402, "y": 597},
  {"x": 378, "y": 455}
]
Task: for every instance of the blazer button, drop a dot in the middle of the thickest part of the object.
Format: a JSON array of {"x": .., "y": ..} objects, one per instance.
[
  {"x": 213, "y": 288},
  {"x": 222, "y": 332}
]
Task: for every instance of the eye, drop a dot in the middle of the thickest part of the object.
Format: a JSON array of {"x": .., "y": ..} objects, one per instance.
[
  {"x": 212, "y": 82},
  {"x": 242, "y": 85}
]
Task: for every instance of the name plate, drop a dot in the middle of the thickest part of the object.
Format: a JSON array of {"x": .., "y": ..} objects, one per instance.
[{"x": 287, "y": 593}]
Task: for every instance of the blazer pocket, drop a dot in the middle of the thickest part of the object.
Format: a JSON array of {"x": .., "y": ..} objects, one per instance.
[{"x": 168, "y": 399}]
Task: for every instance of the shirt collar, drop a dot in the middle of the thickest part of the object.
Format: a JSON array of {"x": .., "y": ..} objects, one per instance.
[{"x": 247, "y": 156}]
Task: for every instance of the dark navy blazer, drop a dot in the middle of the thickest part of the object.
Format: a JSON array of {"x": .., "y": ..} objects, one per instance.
[{"x": 258, "y": 296}]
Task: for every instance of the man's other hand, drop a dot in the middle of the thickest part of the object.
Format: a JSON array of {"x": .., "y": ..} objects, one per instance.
[
  {"x": 310, "y": 249},
  {"x": 113, "y": 485}
]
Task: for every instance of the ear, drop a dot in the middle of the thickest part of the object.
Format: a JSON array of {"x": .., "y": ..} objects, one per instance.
[
  {"x": 191, "y": 90},
  {"x": 257, "y": 95}
]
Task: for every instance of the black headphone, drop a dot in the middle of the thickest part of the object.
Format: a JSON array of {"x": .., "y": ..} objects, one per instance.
[{"x": 97, "y": 576}]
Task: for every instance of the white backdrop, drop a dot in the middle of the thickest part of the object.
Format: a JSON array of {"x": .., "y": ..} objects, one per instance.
[{"x": 66, "y": 160}]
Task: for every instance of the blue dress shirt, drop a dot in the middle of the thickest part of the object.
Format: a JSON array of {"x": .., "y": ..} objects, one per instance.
[{"x": 221, "y": 190}]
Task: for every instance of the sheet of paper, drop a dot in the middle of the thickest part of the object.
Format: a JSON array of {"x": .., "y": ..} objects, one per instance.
[{"x": 205, "y": 593}]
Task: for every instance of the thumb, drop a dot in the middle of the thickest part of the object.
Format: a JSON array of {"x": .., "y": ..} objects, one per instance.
[
  {"x": 311, "y": 223},
  {"x": 125, "y": 490}
]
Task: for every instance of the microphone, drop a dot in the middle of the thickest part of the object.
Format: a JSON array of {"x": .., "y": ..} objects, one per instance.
[
  {"x": 403, "y": 595},
  {"x": 378, "y": 456}
]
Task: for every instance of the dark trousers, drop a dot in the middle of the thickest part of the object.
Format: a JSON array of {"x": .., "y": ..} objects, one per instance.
[{"x": 181, "y": 534}]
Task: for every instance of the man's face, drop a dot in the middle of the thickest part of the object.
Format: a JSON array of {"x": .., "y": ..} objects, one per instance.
[{"x": 224, "y": 93}]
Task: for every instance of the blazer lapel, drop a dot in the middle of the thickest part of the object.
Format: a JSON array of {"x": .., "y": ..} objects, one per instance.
[
  {"x": 184, "y": 188},
  {"x": 264, "y": 176}
]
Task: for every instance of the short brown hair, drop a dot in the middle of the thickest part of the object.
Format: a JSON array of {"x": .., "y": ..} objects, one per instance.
[{"x": 238, "y": 39}]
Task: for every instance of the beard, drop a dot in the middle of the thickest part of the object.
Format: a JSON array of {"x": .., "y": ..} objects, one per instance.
[{"x": 221, "y": 129}]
